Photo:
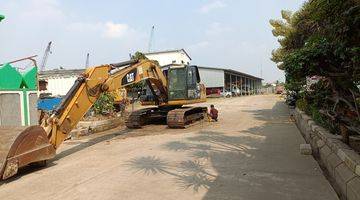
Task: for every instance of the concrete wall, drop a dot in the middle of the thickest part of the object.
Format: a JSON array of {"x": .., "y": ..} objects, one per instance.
[
  {"x": 33, "y": 117},
  {"x": 212, "y": 77},
  {"x": 14, "y": 111},
  {"x": 10, "y": 109},
  {"x": 167, "y": 58},
  {"x": 341, "y": 163}
]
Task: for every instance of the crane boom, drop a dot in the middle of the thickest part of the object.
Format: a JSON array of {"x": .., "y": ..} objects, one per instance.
[
  {"x": 87, "y": 60},
  {"x": 45, "y": 57},
  {"x": 151, "y": 38}
]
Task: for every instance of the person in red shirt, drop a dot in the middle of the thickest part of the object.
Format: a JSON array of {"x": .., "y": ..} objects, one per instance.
[{"x": 213, "y": 113}]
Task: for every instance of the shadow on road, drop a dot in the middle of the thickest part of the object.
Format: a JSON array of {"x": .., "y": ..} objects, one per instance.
[
  {"x": 193, "y": 173},
  {"x": 244, "y": 166},
  {"x": 89, "y": 143}
]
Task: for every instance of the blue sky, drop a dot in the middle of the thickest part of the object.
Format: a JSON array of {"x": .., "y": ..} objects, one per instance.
[{"x": 220, "y": 33}]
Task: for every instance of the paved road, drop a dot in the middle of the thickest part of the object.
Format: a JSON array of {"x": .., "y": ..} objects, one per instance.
[{"x": 251, "y": 153}]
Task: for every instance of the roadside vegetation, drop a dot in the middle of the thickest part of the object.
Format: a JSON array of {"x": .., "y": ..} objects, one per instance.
[
  {"x": 104, "y": 104},
  {"x": 321, "y": 41}
]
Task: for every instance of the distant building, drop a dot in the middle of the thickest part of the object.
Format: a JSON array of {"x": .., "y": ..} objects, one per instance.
[
  {"x": 57, "y": 82},
  {"x": 178, "y": 56},
  {"x": 222, "y": 79},
  {"x": 216, "y": 80}
]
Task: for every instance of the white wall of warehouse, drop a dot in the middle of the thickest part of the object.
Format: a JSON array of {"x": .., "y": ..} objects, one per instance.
[
  {"x": 59, "y": 86},
  {"x": 212, "y": 77}
]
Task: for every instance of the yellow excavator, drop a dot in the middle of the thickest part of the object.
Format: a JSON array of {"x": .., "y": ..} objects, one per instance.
[{"x": 171, "y": 89}]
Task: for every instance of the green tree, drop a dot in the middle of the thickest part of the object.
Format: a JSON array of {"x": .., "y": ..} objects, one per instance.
[
  {"x": 323, "y": 39},
  {"x": 139, "y": 56}
]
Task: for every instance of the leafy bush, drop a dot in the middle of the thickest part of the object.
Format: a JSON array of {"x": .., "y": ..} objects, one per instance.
[
  {"x": 105, "y": 104},
  {"x": 301, "y": 104}
]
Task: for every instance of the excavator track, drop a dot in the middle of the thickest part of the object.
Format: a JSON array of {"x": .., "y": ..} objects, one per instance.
[
  {"x": 137, "y": 119},
  {"x": 142, "y": 117},
  {"x": 185, "y": 116},
  {"x": 174, "y": 117}
]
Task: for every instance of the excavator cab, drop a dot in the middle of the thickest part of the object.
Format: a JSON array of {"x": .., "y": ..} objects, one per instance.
[{"x": 183, "y": 82}]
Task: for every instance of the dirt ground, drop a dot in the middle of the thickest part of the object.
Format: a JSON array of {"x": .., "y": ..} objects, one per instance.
[{"x": 251, "y": 153}]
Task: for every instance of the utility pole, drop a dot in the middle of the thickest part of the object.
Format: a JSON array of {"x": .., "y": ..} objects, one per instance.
[
  {"x": 87, "y": 60},
  {"x": 45, "y": 57},
  {"x": 151, "y": 38}
]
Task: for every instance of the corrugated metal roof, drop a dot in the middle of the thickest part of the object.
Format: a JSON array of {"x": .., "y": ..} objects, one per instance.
[
  {"x": 76, "y": 72},
  {"x": 60, "y": 73},
  {"x": 231, "y": 71}
]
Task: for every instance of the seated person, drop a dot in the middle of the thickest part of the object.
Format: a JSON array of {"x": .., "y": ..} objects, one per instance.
[{"x": 213, "y": 113}]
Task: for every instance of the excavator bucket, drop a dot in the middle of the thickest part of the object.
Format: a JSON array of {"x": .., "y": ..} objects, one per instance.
[{"x": 20, "y": 146}]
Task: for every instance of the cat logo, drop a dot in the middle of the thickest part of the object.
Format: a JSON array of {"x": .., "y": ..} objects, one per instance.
[{"x": 130, "y": 77}]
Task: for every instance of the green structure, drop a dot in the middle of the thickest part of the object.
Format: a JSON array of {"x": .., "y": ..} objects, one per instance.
[
  {"x": 10, "y": 78},
  {"x": 18, "y": 96},
  {"x": 29, "y": 79},
  {"x": 2, "y": 17}
]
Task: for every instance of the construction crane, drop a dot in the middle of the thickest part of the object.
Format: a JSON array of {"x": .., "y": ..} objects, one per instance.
[
  {"x": 45, "y": 57},
  {"x": 87, "y": 60},
  {"x": 180, "y": 86},
  {"x": 151, "y": 38}
]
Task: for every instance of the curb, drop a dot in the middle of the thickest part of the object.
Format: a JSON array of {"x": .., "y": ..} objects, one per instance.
[{"x": 341, "y": 163}]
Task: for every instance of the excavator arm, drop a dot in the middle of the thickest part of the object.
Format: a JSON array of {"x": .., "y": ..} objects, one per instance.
[
  {"x": 89, "y": 86},
  {"x": 34, "y": 144}
]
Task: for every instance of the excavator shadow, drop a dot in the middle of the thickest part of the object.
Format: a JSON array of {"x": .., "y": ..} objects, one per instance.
[
  {"x": 36, "y": 168},
  {"x": 87, "y": 144}
]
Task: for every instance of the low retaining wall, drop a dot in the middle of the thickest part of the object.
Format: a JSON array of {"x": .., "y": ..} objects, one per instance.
[
  {"x": 341, "y": 163},
  {"x": 90, "y": 127}
]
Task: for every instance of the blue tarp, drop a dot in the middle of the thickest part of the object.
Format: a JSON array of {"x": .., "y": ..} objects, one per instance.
[{"x": 48, "y": 104}]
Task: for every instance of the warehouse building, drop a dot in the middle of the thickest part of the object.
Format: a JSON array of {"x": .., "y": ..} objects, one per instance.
[
  {"x": 57, "y": 82},
  {"x": 220, "y": 80},
  {"x": 217, "y": 80}
]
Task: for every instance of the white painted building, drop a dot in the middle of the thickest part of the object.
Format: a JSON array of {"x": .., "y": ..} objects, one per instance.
[
  {"x": 178, "y": 56},
  {"x": 58, "y": 81}
]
